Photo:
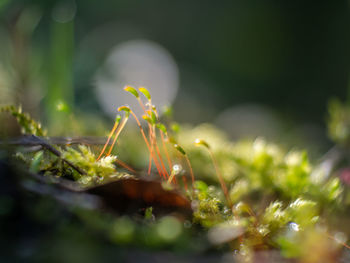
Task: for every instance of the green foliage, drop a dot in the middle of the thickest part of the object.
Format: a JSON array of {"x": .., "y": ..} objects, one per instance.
[
  {"x": 28, "y": 125},
  {"x": 145, "y": 92},
  {"x": 132, "y": 91},
  {"x": 209, "y": 210},
  {"x": 339, "y": 122},
  {"x": 162, "y": 128},
  {"x": 96, "y": 171},
  {"x": 35, "y": 164},
  {"x": 277, "y": 202}
]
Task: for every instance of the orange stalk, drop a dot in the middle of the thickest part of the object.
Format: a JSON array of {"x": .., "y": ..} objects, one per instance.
[
  {"x": 153, "y": 139},
  {"x": 150, "y": 135},
  {"x": 121, "y": 163},
  {"x": 150, "y": 157},
  {"x": 160, "y": 158},
  {"x": 191, "y": 171},
  {"x": 170, "y": 164},
  {"x": 185, "y": 182},
  {"x": 199, "y": 142},
  {"x": 221, "y": 180},
  {"x": 122, "y": 125},
  {"x": 147, "y": 143},
  {"x": 109, "y": 138}
]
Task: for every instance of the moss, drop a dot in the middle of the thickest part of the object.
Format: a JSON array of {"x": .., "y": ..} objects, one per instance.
[
  {"x": 97, "y": 171},
  {"x": 27, "y": 124},
  {"x": 275, "y": 200}
]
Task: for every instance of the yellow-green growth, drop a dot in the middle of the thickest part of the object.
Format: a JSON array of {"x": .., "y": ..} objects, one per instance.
[
  {"x": 176, "y": 169},
  {"x": 132, "y": 91},
  {"x": 200, "y": 142},
  {"x": 145, "y": 92},
  {"x": 28, "y": 125},
  {"x": 117, "y": 120},
  {"x": 182, "y": 151},
  {"x": 118, "y": 131}
]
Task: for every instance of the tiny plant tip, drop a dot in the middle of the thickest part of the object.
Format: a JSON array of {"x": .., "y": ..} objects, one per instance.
[
  {"x": 145, "y": 92},
  {"x": 132, "y": 91},
  {"x": 148, "y": 119},
  {"x": 199, "y": 142},
  {"x": 153, "y": 117},
  {"x": 162, "y": 127},
  {"x": 180, "y": 149},
  {"x": 124, "y": 108}
]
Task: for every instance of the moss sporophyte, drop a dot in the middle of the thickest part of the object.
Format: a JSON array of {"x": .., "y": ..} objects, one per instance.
[{"x": 248, "y": 194}]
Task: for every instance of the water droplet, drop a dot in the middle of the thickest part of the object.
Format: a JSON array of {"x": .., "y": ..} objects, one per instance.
[
  {"x": 340, "y": 237},
  {"x": 294, "y": 226},
  {"x": 177, "y": 168}
]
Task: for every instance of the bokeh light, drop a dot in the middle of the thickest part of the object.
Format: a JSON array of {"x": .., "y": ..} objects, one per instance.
[{"x": 136, "y": 63}]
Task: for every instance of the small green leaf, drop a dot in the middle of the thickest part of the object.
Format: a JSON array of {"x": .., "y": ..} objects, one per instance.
[
  {"x": 132, "y": 91},
  {"x": 200, "y": 142},
  {"x": 180, "y": 149},
  {"x": 201, "y": 186},
  {"x": 148, "y": 119},
  {"x": 35, "y": 164},
  {"x": 153, "y": 116},
  {"x": 61, "y": 106},
  {"x": 28, "y": 125},
  {"x": 162, "y": 127},
  {"x": 145, "y": 92},
  {"x": 124, "y": 108},
  {"x": 168, "y": 111}
]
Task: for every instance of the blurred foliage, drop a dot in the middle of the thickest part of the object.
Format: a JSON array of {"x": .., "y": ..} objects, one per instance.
[
  {"x": 339, "y": 122},
  {"x": 278, "y": 200},
  {"x": 28, "y": 125},
  {"x": 97, "y": 171},
  {"x": 251, "y": 51}
]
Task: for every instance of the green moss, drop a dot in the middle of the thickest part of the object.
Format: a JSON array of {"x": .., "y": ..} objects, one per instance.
[
  {"x": 276, "y": 201},
  {"x": 96, "y": 171},
  {"x": 27, "y": 124}
]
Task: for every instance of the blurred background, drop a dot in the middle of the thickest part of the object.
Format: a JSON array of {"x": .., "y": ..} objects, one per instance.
[{"x": 253, "y": 68}]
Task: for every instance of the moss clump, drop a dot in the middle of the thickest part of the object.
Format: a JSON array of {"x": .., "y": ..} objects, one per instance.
[
  {"x": 96, "y": 171},
  {"x": 266, "y": 196}
]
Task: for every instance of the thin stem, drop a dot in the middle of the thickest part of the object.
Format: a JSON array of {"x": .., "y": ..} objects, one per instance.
[
  {"x": 122, "y": 125},
  {"x": 109, "y": 138},
  {"x": 146, "y": 141},
  {"x": 158, "y": 152},
  {"x": 221, "y": 180},
  {"x": 153, "y": 140},
  {"x": 171, "y": 177},
  {"x": 185, "y": 182},
  {"x": 170, "y": 164},
  {"x": 150, "y": 136},
  {"x": 121, "y": 163},
  {"x": 150, "y": 157},
  {"x": 191, "y": 171},
  {"x": 142, "y": 105},
  {"x": 149, "y": 165},
  {"x": 336, "y": 240}
]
